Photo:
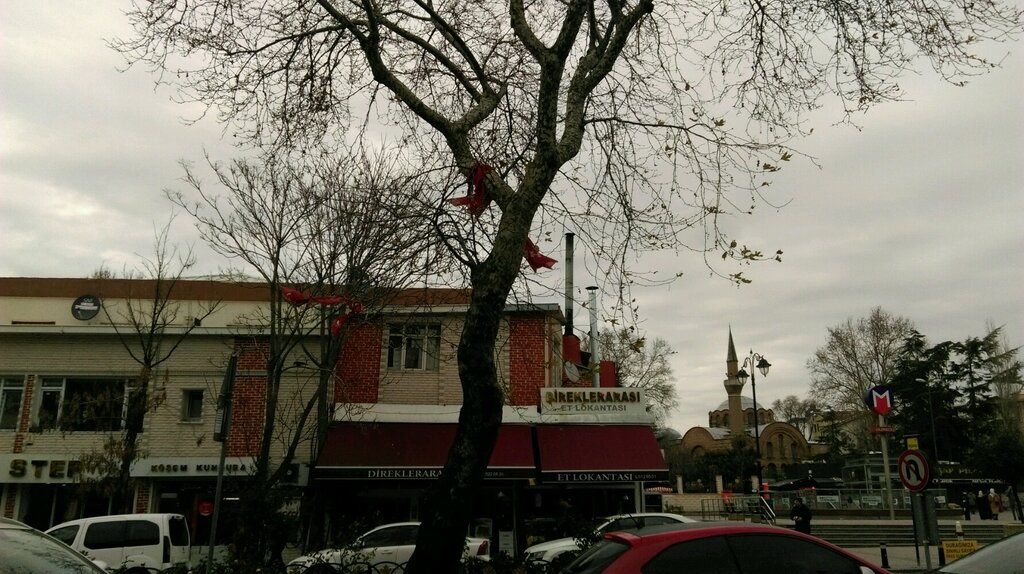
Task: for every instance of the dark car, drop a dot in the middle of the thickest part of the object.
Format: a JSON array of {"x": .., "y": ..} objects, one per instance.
[
  {"x": 1003, "y": 557},
  {"x": 717, "y": 548},
  {"x": 25, "y": 550}
]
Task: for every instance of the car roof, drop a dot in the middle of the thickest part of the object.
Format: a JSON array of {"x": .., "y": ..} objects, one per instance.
[
  {"x": 11, "y": 524},
  {"x": 650, "y": 514},
  {"x": 651, "y": 534},
  {"x": 148, "y": 516}
]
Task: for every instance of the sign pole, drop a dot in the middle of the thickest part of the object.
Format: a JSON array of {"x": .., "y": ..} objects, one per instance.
[
  {"x": 885, "y": 466},
  {"x": 222, "y": 424}
]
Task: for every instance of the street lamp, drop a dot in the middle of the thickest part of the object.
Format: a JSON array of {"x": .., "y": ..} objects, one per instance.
[
  {"x": 755, "y": 360},
  {"x": 931, "y": 417}
]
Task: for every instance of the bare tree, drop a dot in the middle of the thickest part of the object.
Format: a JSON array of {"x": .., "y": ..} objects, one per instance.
[
  {"x": 644, "y": 128},
  {"x": 858, "y": 355},
  {"x": 797, "y": 412},
  {"x": 645, "y": 366},
  {"x": 332, "y": 237},
  {"x": 151, "y": 323}
]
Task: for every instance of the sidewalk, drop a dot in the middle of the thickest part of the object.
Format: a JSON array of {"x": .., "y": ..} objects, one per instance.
[
  {"x": 906, "y": 558},
  {"x": 901, "y": 558}
]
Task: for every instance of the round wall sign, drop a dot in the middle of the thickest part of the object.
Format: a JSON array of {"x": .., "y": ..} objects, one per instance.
[{"x": 85, "y": 307}]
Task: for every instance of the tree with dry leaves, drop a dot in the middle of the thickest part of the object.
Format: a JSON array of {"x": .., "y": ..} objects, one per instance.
[
  {"x": 333, "y": 237},
  {"x": 858, "y": 355},
  {"x": 151, "y": 322},
  {"x": 640, "y": 126},
  {"x": 644, "y": 365}
]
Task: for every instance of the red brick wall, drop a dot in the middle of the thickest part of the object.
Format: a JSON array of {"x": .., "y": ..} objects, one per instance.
[
  {"x": 358, "y": 368},
  {"x": 248, "y": 401},
  {"x": 142, "y": 498},
  {"x": 528, "y": 359}
]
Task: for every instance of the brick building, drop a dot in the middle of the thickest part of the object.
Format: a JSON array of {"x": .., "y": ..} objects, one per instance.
[{"x": 564, "y": 446}]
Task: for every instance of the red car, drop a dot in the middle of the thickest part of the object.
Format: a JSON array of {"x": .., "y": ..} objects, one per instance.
[{"x": 717, "y": 548}]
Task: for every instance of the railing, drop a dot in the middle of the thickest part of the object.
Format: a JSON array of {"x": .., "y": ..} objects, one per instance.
[
  {"x": 767, "y": 512},
  {"x": 738, "y": 507}
]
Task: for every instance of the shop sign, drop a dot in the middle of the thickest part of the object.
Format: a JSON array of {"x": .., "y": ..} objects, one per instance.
[
  {"x": 605, "y": 476},
  {"x": 47, "y": 469},
  {"x": 589, "y": 401},
  {"x": 86, "y": 307},
  {"x": 191, "y": 467},
  {"x": 392, "y": 473}
]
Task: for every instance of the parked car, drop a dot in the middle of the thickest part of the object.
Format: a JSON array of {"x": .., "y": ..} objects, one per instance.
[
  {"x": 25, "y": 550},
  {"x": 391, "y": 544},
  {"x": 136, "y": 543},
  {"x": 1003, "y": 557},
  {"x": 717, "y": 548},
  {"x": 551, "y": 550}
]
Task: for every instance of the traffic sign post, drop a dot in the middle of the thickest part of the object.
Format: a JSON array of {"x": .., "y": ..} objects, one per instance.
[
  {"x": 915, "y": 474},
  {"x": 879, "y": 401}
]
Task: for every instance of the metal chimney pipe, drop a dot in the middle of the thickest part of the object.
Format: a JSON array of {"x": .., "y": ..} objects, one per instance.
[
  {"x": 568, "y": 282},
  {"x": 595, "y": 355}
]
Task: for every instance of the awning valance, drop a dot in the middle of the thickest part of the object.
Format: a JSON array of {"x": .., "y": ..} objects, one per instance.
[
  {"x": 599, "y": 453},
  {"x": 410, "y": 451}
]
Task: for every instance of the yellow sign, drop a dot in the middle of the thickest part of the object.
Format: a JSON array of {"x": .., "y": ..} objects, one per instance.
[
  {"x": 912, "y": 443},
  {"x": 954, "y": 549}
]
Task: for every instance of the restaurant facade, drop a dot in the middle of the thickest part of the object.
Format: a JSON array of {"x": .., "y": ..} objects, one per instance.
[{"x": 566, "y": 449}]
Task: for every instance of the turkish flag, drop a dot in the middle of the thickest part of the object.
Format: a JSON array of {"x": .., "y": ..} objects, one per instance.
[
  {"x": 294, "y": 296},
  {"x": 535, "y": 258}
]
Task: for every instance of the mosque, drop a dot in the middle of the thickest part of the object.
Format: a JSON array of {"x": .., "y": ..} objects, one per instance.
[{"x": 782, "y": 444}]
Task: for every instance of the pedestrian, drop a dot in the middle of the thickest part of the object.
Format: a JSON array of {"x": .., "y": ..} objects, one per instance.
[
  {"x": 965, "y": 503},
  {"x": 984, "y": 508},
  {"x": 801, "y": 516},
  {"x": 995, "y": 503}
]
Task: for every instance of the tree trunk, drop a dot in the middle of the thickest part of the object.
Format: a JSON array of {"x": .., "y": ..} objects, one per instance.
[{"x": 449, "y": 503}]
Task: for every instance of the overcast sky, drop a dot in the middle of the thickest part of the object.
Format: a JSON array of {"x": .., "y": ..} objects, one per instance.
[{"x": 920, "y": 212}]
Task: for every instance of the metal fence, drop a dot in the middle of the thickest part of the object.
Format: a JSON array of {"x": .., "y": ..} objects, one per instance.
[{"x": 749, "y": 506}]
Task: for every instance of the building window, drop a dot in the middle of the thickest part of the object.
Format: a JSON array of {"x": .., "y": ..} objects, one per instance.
[
  {"x": 11, "y": 392},
  {"x": 192, "y": 405},
  {"x": 82, "y": 404},
  {"x": 414, "y": 347}
]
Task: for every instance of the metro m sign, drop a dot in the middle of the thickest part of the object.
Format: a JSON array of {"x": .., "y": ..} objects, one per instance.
[{"x": 879, "y": 399}]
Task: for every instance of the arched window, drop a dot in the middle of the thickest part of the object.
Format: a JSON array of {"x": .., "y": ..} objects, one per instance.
[
  {"x": 782, "y": 446},
  {"x": 769, "y": 451},
  {"x": 794, "y": 451}
]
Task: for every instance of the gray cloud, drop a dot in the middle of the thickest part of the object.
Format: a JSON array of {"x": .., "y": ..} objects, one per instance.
[{"x": 920, "y": 212}]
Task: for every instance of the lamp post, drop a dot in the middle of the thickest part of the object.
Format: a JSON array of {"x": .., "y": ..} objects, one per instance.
[
  {"x": 931, "y": 417},
  {"x": 758, "y": 361}
]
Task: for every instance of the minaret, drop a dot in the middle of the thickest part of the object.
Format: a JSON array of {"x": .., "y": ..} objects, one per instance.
[{"x": 734, "y": 388}]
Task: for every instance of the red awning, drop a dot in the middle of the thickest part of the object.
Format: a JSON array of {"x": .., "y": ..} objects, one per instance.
[
  {"x": 401, "y": 451},
  {"x": 599, "y": 453}
]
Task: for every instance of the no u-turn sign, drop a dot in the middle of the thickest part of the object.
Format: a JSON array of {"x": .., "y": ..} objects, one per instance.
[{"x": 913, "y": 470}]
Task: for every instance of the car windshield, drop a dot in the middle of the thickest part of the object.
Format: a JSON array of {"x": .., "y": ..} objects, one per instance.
[
  {"x": 596, "y": 558},
  {"x": 30, "y": 552},
  {"x": 1007, "y": 555}
]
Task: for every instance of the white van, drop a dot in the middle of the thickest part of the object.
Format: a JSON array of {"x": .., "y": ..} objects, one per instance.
[{"x": 139, "y": 543}]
